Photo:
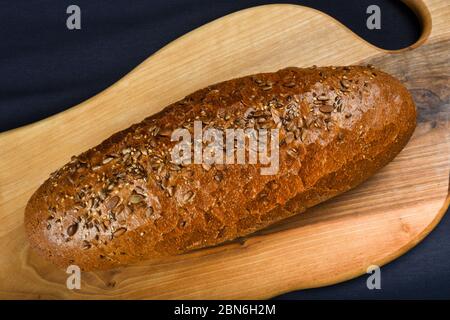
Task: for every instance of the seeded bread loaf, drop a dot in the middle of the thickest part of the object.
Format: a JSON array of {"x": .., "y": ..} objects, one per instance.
[{"x": 125, "y": 200}]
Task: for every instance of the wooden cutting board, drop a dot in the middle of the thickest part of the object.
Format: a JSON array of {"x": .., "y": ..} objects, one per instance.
[{"x": 373, "y": 224}]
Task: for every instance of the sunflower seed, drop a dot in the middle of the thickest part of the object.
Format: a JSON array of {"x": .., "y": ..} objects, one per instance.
[
  {"x": 338, "y": 102},
  {"x": 86, "y": 245},
  {"x": 249, "y": 113},
  {"x": 309, "y": 121},
  {"x": 289, "y": 84},
  {"x": 326, "y": 108},
  {"x": 171, "y": 191},
  {"x": 258, "y": 113},
  {"x": 292, "y": 152},
  {"x": 107, "y": 160},
  {"x": 165, "y": 132},
  {"x": 322, "y": 97},
  {"x": 139, "y": 189},
  {"x": 290, "y": 137},
  {"x": 345, "y": 84},
  {"x": 275, "y": 116},
  {"x": 218, "y": 177},
  {"x": 72, "y": 229},
  {"x": 102, "y": 195},
  {"x": 188, "y": 196},
  {"x": 152, "y": 215},
  {"x": 112, "y": 202},
  {"x": 291, "y": 126},
  {"x": 119, "y": 232},
  {"x": 153, "y": 130},
  {"x": 304, "y": 135},
  {"x": 126, "y": 157},
  {"x": 95, "y": 203},
  {"x": 219, "y": 166}
]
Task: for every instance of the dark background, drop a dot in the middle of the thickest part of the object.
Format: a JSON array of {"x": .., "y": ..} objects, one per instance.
[{"x": 46, "y": 68}]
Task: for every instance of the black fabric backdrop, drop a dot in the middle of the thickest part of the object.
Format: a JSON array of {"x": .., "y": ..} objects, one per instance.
[{"x": 46, "y": 68}]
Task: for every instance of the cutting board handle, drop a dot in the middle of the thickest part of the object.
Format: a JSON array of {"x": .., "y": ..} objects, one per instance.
[{"x": 420, "y": 9}]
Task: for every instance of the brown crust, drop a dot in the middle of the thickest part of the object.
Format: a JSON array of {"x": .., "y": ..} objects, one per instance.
[{"x": 123, "y": 201}]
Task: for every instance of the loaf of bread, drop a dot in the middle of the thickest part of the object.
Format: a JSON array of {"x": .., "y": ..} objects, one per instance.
[{"x": 127, "y": 200}]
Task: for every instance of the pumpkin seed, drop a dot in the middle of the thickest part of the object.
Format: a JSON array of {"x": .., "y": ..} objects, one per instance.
[{"x": 136, "y": 198}]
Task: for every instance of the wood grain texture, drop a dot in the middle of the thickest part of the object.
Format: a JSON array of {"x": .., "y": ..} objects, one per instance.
[{"x": 335, "y": 241}]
